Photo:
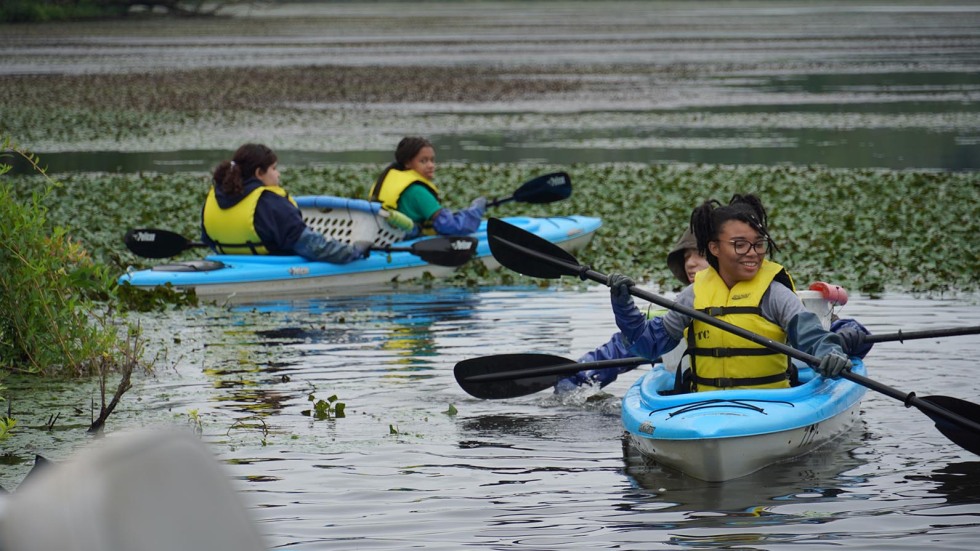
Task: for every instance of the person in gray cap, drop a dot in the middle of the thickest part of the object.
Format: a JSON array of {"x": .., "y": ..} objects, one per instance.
[{"x": 684, "y": 261}]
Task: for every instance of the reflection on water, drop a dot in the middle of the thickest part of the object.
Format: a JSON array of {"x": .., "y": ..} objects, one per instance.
[
  {"x": 958, "y": 483},
  {"x": 417, "y": 463}
]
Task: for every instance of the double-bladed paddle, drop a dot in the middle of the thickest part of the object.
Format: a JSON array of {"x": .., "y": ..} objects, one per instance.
[
  {"x": 543, "y": 189},
  {"x": 902, "y": 336},
  {"x": 533, "y": 256},
  {"x": 441, "y": 251},
  {"x": 522, "y": 374},
  {"x": 512, "y": 375}
]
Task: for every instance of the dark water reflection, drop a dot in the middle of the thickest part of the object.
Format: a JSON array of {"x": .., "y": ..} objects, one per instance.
[
  {"x": 856, "y": 147},
  {"x": 417, "y": 463}
]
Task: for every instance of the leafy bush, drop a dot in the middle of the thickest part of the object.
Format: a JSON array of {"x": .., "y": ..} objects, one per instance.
[
  {"x": 45, "y": 326},
  {"x": 50, "y": 322}
]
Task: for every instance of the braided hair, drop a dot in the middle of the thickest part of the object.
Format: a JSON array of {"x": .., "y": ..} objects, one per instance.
[
  {"x": 708, "y": 218},
  {"x": 230, "y": 176}
]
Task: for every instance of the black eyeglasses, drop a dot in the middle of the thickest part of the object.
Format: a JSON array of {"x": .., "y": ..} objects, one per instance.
[{"x": 742, "y": 246}]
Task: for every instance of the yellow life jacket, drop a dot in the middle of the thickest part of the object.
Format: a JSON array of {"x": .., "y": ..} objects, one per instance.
[
  {"x": 233, "y": 229},
  {"x": 394, "y": 183},
  {"x": 720, "y": 359}
]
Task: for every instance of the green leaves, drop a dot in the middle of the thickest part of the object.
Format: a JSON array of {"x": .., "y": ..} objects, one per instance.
[
  {"x": 868, "y": 230},
  {"x": 325, "y": 409}
]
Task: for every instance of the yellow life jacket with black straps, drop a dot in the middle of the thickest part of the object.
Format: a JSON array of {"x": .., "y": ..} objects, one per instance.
[
  {"x": 233, "y": 229},
  {"x": 720, "y": 359},
  {"x": 393, "y": 184}
]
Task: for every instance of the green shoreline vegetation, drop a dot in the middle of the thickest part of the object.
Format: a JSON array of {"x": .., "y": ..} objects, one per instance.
[{"x": 59, "y": 304}]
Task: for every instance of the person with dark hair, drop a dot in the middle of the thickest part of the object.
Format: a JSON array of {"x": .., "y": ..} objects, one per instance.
[
  {"x": 742, "y": 287},
  {"x": 246, "y": 212},
  {"x": 407, "y": 186}
]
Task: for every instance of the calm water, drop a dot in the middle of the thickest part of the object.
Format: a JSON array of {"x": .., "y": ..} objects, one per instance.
[
  {"x": 839, "y": 84},
  {"x": 842, "y": 84},
  {"x": 399, "y": 471}
]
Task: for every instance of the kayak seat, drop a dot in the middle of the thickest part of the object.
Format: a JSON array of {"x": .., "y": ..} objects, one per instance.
[{"x": 349, "y": 220}]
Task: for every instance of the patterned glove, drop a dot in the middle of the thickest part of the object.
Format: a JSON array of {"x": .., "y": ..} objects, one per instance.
[
  {"x": 362, "y": 249},
  {"x": 480, "y": 204},
  {"x": 619, "y": 290},
  {"x": 852, "y": 334},
  {"x": 833, "y": 364}
]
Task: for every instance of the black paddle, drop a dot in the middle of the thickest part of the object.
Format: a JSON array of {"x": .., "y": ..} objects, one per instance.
[
  {"x": 543, "y": 189},
  {"x": 533, "y": 256},
  {"x": 903, "y": 336},
  {"x": 441, "y": 251},
  {"x": 523, "y": 374},
  {"x": 512, "y": 375}
]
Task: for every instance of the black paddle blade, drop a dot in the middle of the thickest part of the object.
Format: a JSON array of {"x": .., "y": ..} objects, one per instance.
[
  {"x": 445, "y": 251},
  {"x": 545, "y": 189},
  {"x": 510, "y": 388},
  {"x": 150, "y": 243},
  {"x": 965, "y": 437},
  {"x": 528, "y": 254}
]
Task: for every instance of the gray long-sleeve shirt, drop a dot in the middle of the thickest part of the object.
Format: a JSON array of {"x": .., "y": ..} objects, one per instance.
[{"x": 779, "y": 305}]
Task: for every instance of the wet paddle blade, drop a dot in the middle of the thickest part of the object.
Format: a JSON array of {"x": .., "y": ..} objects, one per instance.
[
  {"x": 445, "y": 251},
  {"x": 528, "y": 254},
  {"x": 509, "y": 388},
  {"x": 965, "y": 437},
  {"x": 151, "y": 243},
  {"x": 545, "y": 189}
]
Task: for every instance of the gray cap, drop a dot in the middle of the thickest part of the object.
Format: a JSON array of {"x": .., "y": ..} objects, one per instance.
[{"x": 675, "y": 259}]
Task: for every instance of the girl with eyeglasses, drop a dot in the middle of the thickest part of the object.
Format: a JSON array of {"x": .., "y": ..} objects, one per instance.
[{"x": 742, "y": 287}]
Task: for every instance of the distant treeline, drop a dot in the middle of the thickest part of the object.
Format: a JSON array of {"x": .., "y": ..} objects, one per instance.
[{"x": 42, "y": 11}]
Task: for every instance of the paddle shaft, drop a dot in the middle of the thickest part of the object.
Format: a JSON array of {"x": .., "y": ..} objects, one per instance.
[
  {"x": 902, "y": 336},
  {"x": 909, "y": 399},
  {"x": 178, "y": 244},
  {"x": 559, "y": 369},
  {"x": 496, "y": 202},
  {"x": 373, "y": 248},
  {"x": 195, "y": 244}
]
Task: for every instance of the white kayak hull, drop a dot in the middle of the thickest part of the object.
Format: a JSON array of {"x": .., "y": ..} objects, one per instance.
[{"x": 723, "y": 435}]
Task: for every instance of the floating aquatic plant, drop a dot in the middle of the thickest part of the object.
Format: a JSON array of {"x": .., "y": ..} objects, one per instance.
[{"x": 856, "y": 228}]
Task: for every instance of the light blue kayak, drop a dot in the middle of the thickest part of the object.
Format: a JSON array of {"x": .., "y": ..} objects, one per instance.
[
  {"x": 220, "y": 275},
  {"x": 724, "y": 434}
]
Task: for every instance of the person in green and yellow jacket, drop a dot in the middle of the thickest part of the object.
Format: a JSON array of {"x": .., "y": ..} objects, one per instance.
[
  {"x": 407, "y": 186},
  {"x": 246, "y": 212}
]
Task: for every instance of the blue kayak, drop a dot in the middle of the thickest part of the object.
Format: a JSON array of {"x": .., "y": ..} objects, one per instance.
[
  {"x": 724, "y": 434},
  {"x": 350, "y": 220}
]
